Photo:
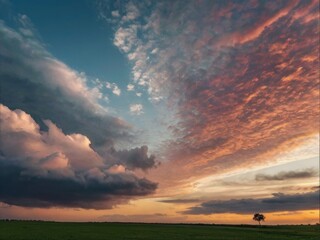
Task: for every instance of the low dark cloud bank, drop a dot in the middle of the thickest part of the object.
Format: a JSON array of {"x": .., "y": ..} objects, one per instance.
[
  {"x": 180, "y": 200},
  {"x": 307, "y": 173},
  {"x": 278, "y": 202},
  {"x": 49, "y": 168},
  {"x": 83, "y": 190}
]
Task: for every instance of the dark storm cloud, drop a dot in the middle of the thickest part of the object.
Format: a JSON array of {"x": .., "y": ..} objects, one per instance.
[
  {"x": 279, "y": 202},
  {"x": 83, "y": 190},
  {"x": 34, "y": 81},
  {"x": 307, "y": 173},
  {"x": 48, "y": 168},
  {"x": 136, "y": 158}
]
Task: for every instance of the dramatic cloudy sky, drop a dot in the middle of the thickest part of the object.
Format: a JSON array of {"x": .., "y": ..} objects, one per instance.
[{"x": 159, "y": 111}]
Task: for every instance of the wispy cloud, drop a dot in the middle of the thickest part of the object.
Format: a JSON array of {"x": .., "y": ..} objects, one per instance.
[
  {"x": 281, "y": 176},
  {"x": 115, "y": 14},
  {"x": 180, "y": 200},
  {"x": 243, "y": 85},
  {"x": 132, "y": 12}
]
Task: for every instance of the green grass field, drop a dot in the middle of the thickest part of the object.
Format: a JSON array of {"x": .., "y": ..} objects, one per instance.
[{"x": 31, "y": 230}]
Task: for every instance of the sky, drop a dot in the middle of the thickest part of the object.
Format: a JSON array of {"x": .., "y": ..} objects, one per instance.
[{"x": 197, "y": 111}]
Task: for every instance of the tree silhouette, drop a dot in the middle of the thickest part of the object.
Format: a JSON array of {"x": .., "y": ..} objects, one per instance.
[{"x": 259, "y": 217}]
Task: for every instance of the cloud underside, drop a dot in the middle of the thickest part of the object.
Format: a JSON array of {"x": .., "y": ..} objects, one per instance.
[
  {"x": 49, "y": 168},
  {"x": 244, "y": 85},
  {"x": 22, "y": 188},
  {"x": 279, "y": 202}
]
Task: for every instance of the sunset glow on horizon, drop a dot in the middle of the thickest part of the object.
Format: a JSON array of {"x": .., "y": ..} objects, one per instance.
[{"x": 198, "y": 111}]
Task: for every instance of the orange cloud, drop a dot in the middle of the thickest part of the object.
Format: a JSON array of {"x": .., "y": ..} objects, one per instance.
[{"x": 262, "y": 99}]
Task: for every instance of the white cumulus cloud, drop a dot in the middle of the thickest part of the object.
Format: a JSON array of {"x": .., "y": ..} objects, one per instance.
[
  {"x": 136, "y": 109},
  {"x": 130, "y": 87},
  {"x": 114, "y": 88}
]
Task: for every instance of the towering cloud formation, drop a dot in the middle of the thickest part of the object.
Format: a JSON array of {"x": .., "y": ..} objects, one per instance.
[
  {"x": 49, "y": 168},
  {"x": 242, "y": 76},
  {"x": 56, "y": 142}
]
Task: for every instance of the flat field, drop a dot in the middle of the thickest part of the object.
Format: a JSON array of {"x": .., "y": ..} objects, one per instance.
[{"x": 34, "y": 230}]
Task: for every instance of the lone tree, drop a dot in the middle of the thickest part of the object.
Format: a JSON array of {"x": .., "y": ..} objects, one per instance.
[{"x": 259, "y": 217}]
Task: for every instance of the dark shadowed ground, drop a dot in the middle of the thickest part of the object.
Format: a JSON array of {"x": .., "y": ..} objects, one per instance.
[{"x": 33, "y": 230}]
